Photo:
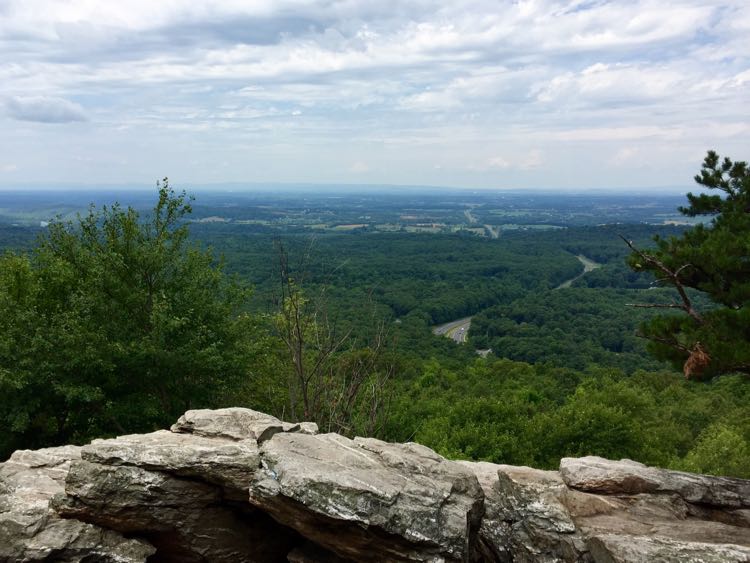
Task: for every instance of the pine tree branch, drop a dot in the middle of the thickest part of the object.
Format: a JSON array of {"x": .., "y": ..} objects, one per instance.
[{"x": 672, "y": 276}]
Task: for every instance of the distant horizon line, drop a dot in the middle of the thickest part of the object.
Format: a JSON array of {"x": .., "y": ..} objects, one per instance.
[{"x": 292, "y": 187}]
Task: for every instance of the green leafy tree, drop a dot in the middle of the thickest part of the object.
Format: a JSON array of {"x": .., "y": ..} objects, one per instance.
[
  {"x": 719, "y": 450},
  {"x": 712, "y": 258},
  {"x": 117, "y": 323}
]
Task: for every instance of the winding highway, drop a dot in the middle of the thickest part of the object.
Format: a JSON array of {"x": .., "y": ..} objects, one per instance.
[
  {"x": 458, "y": 330},
  {"x": 588, "y": 265}
]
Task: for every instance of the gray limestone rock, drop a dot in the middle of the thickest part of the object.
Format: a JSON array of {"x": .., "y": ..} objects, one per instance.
[
  {"x": 227, "y": 463},
  {"x": 368, "y": 500},
  {"x": 666, "y": 518},
  {"x": 615, "y": 548},
  {"x": 31, "y": 531},
  {"x": 648, "y": 514},
  {"x": 237, "y": 424},
  {"x": 186, "y": 520},
  {"x": 598, "y": 475},
  {"x": 238, "y": 485},
  {"x": 525, "y": 519}
]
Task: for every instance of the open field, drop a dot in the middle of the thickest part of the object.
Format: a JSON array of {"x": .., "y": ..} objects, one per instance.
[{"x": 485, "y": 214}]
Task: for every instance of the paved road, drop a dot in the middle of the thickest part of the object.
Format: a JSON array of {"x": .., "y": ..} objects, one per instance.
[
  {"x": 456, "y": 330},
  {"x": 588, "y": 265}
]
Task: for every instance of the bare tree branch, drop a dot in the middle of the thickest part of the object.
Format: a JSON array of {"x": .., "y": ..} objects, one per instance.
[
  {"x": 655, "y": 305},
  {"x": 671, "y": 276},
  {"x": 343, "y": 390},
  {"x": 672, "y": 343}
]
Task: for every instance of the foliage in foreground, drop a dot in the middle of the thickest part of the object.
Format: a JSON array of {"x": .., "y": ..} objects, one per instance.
[
  {"x": 116, "y": 324},
  {"x": 515, "y": 413},
  {"x": 323, "y": 375}
]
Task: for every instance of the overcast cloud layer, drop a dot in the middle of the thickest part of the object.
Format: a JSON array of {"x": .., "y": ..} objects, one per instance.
[{"x": 481, "y": 93}]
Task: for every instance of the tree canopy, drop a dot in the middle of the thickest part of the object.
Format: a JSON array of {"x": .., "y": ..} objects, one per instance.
[
  {"x": 119, "y": 322},
  {"x": 116, "y": 322},
  {"x": 712, "y": 258}
]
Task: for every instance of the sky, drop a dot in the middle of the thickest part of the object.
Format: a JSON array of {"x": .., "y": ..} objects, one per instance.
[{"x": 477, "y": 93}]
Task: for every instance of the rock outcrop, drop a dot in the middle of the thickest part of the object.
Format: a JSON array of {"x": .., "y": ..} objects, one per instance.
[
  {"x": 368, "y": 500},
  {"x": 525, "y": 516},
  {"x": 31, "y": 531},
  {"x": 238, "y": 485},
  {"x": 631, "y": 512}
]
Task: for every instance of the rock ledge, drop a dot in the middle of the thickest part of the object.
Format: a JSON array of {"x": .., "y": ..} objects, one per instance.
[{"x": 239, "y": 485}]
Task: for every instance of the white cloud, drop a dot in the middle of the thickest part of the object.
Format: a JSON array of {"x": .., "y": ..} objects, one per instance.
[
  {"x": 626, "y": 156},
  {"x": 44, "y": 109},
  {"x": 618, "y": 83},
  {"x": 539, "y": 82},
  {"x": 627, "y": 133},
  {"x": 359, "y": 167},
  {"x": 430, "y": 101},
  {"x": 498, "y": 162},
  {"x": 521, "y": 160},
  {"x": 532, "y": 160}
]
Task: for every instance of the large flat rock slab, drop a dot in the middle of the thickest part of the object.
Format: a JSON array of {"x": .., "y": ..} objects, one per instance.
[
  {"x": 616, "y": 548},
  {"x": 228, "y": 463},
  {"x": 368, "y": 500},
  {"x": 237, "y": 424},
  {"x": 186, "y": 520},
  {"x": 598, "y": 475},
  {"x": 30, "y": 530},
  {"x": 187, "y": 493},
  {"x": 629, "y": 512}
]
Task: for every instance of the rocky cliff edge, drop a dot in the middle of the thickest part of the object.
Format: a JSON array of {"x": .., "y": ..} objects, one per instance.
[{"x": 238, "y": 485}]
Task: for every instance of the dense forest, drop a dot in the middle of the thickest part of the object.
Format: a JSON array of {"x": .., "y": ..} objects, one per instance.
[{"x": 121, "y": 319}]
